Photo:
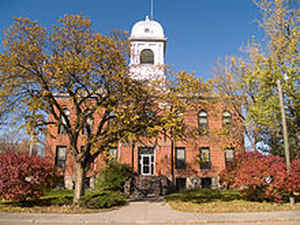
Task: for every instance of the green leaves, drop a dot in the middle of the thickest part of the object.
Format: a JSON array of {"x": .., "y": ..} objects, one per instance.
[{"x": 254, "y": 75}]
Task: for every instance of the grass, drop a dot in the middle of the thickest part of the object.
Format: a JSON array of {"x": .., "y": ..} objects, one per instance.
[
  {"x": 202, "y": 201},
  {"x": 55, "y": 201},
  {"x": 216, "y": 201}
]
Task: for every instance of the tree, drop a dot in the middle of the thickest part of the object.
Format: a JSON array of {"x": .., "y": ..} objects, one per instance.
[
  {"x": 86, "y": 69},
  {"x": 254, "y": 76}
]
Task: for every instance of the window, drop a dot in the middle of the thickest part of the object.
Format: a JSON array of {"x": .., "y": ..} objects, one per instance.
[
  {"x": 113, "y": 153},
  {"x": 180, "y": 183},
  {"x": 180, "y": 116},
  {"x": 112, "y": 119},
  {"x": 61, "y": 127},
  {"x": 60, "y": 159},
  {"x": 227, "y": 120},
  {"x": 180, "y": 158},
  {"x": 206, "y": 182},
  {"x": 147, "y": 57},
  {"x": 87, "y": 126},
  {"x": 229, "y": 155},
  {"x": 203, "y": 123},
  {"x": 205, "y": 158}
]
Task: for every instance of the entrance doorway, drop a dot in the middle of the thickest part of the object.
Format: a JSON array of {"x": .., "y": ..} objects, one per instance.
[{"x": 146, "y": 161}]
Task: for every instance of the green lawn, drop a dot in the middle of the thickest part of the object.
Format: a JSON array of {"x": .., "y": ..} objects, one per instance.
[
  {"x": 215, "y": 201},
  {"x": 55, "y": 201}
]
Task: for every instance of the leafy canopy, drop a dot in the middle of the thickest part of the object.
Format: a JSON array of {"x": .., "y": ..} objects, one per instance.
[{"x": 253, "y": 77}]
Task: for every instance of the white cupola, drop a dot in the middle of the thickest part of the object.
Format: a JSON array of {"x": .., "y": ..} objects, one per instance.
[{"x": 147, "y": 43}]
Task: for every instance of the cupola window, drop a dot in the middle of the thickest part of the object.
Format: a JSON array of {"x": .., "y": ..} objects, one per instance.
[{"x": 147, "y": 57}]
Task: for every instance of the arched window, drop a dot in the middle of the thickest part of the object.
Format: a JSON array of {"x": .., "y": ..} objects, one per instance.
[
  {"x": 87, "y": 126},
  {"x": 229, "y": 156},
  {"x": 147, "y": 57},
  {"x": 227, "y": 119},
  {"x": 203, "y": 123},
  {"x": 180, "y": 118},
  {"x": 112, "y": 119},
  {"x": 63, "y": 122}
]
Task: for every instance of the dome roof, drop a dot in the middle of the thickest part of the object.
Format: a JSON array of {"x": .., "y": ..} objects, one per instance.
[{"x": 147, "y": 29}]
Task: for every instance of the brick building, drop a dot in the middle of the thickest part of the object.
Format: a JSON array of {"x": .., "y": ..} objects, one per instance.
[{"x": 193, "y": 162}]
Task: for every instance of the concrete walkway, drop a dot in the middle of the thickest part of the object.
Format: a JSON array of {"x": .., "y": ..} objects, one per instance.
[{"x": 149, "y": 212}]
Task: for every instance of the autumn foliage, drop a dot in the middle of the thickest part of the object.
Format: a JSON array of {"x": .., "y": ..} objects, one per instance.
[
  {"x": 263, "y": 177},
  {"x": 23, "y": 176}
]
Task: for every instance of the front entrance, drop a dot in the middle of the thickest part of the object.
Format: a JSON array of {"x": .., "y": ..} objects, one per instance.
[{"x": 146, "y": 161}]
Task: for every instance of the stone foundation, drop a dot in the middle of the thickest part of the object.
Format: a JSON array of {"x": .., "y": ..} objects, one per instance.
[
  {"x": 196, "y": 182},
  {"x": 139, "y": 187},
  {"x": 69, "y": 184},
  {"x": 193, "y": 182}
]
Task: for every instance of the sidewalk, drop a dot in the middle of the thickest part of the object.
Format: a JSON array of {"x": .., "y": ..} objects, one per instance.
[{"x": 147, "y": 212}]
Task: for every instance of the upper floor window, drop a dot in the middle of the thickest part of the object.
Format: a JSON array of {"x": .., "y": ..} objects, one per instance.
[
  {"x": 60, "y": 158},
  {"x": 111, "y": 119},
  {"x": 113, "y": 153},
  {"x": 61, "y": 127},
  {"x": 227, "y": 119},
  {"x": 87, "y": 126},
  {"x": 229, "y": 155},
  {"x": 180, "y": 158},
  {"x": 180, "y": 118},
  {"x": 205, "y": 158},
  {"x": 203, "y": 123},
  {"x": 147, "y": 57}
]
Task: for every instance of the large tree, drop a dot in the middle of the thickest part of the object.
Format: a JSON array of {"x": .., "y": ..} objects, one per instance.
[
  {"x": 89, "y": 71},
  {"x": 254, "y": 78}
]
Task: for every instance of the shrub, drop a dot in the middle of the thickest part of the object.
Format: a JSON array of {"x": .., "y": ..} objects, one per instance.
[
  {"x": 113, "y": 176},
  {"x": 60, "y": 197},
  {"x": 23, "y": 176},
  {"x": 61, "y": 201},
  {"x": 104, "y": 199},
  {"x": 262, "y": 177},
  {"x": 204, "y": 195}
]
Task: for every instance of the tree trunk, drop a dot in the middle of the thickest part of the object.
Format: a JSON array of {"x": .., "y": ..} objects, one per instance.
[
  {"x": 285, "y": 136},
  {"x": 79, "y": 185}
]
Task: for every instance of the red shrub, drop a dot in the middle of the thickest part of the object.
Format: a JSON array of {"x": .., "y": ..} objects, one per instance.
[
  {"x": 294, "y": 178},
  {"x": 263, "y": 177},
  {"x": 23, "y": 176}
]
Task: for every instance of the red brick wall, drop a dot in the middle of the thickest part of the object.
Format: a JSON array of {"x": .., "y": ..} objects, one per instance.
[{"x": 216, "y": 141}]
